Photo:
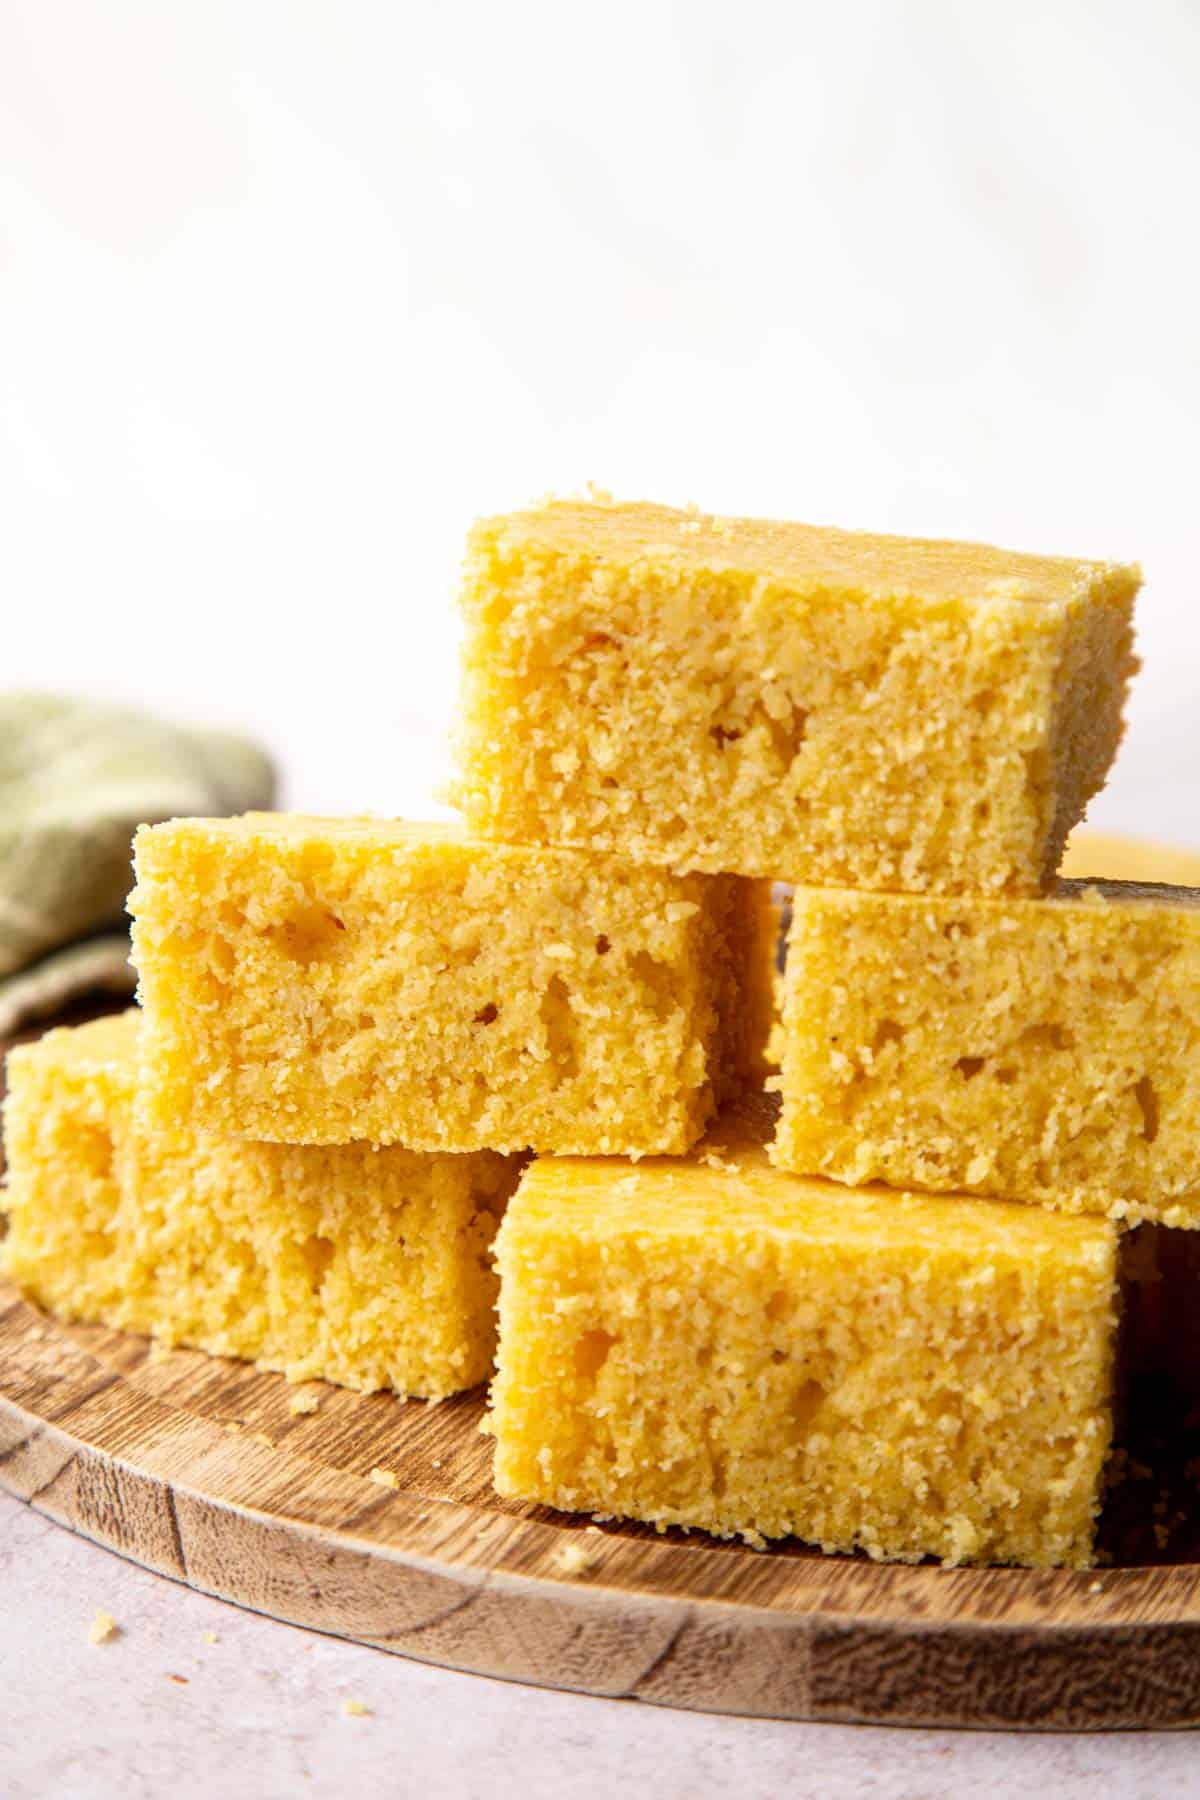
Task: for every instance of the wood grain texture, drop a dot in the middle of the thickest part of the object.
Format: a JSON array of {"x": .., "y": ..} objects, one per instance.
[{"x": 197, "y": 1468}]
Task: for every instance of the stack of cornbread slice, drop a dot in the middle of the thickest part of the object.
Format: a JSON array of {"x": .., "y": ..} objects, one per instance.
[
  {"x": 353, "y": 1032},
  {"x": 907, "y": 731}
]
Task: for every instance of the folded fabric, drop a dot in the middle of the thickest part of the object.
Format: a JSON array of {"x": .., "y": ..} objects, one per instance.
[{"x": 76, "y": 779}]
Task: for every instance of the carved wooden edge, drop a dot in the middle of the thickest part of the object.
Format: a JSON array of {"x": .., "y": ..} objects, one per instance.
[
  {"x": 105, "y": 1401},
  {"x": 707, "y": 1655},
  {"x": 475, "y": 1590}
]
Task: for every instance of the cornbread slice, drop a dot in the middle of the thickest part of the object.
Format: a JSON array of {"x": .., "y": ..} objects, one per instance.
[
  {"x": 370, "y": 1268},
  {"x": 1047, "y": 1050},
  {"x": 710, "y": 1342},
  {"x": 776, "y": 699},
  {"x": 1110, "y": 856},
  {"x": 325, "y": 980}
]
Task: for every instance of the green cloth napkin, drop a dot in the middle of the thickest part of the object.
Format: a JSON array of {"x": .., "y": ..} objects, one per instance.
[{"x": 76, "y": 779}]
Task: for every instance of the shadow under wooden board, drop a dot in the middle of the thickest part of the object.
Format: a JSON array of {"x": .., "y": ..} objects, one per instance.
[{"x": 197, "y": 1468}]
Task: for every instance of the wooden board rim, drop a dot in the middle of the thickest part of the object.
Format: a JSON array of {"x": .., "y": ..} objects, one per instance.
[{"x": 683, "y": 1624}]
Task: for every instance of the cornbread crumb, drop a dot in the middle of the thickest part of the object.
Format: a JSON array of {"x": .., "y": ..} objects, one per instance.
[
  {"x": 233, "y": 1426},
  {"x": 262, "y": 1437},
  {"x": 1043, "y": 1050},
  {"x": 383, "y": 1478},
  {"x": 712, "y": 1159},
  {"x": 369, "y": 1268},
  {"x": 308, "y": 1400},
  {"x": 103, "y": 1629},
  {"x": 318, "y": 981},
  {"x": 356, "y": 1709},
  {"x": 775, "y": 699},
  {"x": 210, "y": 1637},
  {"x": 764, "y": 1355},
  {"x": 573, "y": 1559}
]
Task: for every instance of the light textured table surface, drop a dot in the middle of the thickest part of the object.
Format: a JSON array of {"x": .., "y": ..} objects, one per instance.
[{"x": 159, "y": 1709}]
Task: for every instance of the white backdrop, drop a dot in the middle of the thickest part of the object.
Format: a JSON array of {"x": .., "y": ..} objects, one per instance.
[{"x": 291, "y": 291}]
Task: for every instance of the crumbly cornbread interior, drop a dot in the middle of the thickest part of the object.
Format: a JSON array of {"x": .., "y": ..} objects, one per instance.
[
  {"x": 1044, "y": 1050},
  {"x": 369, "y": 1268},
  {"x": 710, "y": 1342},
  {"x": 316, "y": 981},
  {"x": 777, "y": 699}
]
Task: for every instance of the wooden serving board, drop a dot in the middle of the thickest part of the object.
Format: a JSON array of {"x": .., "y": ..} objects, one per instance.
[{"x": 197, "y": 1468}]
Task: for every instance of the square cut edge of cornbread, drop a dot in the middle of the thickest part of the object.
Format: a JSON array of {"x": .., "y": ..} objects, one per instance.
[
  {"x": 1046, "y": 1051},
  {"x": 366, "y": 1268},
  {"x": 786, "y": 700},
  {"x": 315, "y": 980},
  {"x": 707, "y": 1342}
]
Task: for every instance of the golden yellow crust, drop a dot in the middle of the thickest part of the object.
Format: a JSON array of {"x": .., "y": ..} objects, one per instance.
[
  {"x": 810, "y": 559},
  {"x": 782, "y": 700},
  {"x": 709, "y": 1342},
  {"x": 322, "y": 980},
  {"x": 369, "y": 1268},
  {"x": 1044, "y": 1050}
]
